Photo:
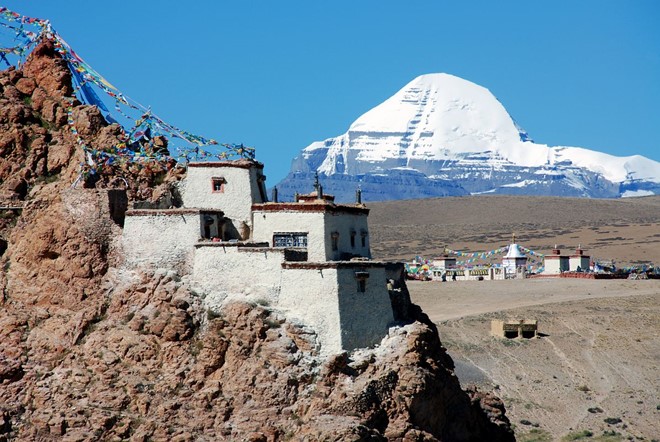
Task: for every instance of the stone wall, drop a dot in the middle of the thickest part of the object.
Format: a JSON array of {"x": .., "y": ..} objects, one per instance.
[{"x": 99, "y": 207}]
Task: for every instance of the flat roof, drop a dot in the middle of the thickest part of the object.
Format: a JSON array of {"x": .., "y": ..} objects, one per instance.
[
  {"x": 242, "y": 164},
  {"x": 170, "y": 212},
  {"x": 332, "y": 264},
  {"x": 240, "y": 244},
  {"x": 317, "y": 206}
]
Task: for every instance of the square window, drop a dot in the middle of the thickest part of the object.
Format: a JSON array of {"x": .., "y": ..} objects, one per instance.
[
  {"x": 286, "y": 239},
  {"x": 218, "y": 184}
]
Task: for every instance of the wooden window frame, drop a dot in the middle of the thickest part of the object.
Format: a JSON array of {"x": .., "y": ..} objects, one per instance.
[{"x": 218, "y": 180}]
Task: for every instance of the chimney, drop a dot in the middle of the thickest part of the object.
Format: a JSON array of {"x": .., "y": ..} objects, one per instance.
[
  {"x": 358, "y": 196},
  {"x": 274, "y": 198},
  {"x": 556, "y": 251}
]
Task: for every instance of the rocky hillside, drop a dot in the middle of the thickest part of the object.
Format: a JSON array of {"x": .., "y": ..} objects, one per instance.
[{"x": 93, "y": 351}]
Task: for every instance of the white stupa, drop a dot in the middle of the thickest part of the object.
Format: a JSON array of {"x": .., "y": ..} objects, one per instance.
[{"x": 514, "y": 258}]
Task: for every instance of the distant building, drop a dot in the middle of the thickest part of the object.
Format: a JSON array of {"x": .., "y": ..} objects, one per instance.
[
  {"x": 512, "y": 329},
  {"x": 579, "y": 262},
  {"x": 444, "y": 262},
  {"x": 514, "y": 262},
  {"x": 555, "y": 263},
  {"x": 514, "y": 265}
]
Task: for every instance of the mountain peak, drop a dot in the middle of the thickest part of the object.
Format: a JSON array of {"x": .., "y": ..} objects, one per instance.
[
  {"x": 459, "y": 136},
  {"x": 437, "y": 115},
  {"x": 438, "y": 79}
]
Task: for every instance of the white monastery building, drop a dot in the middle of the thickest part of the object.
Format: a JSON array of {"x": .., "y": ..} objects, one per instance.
[
  {"x": 514, "y": 261},
  {"x": 444, "y": 262},
  {"x": 579, "y": 262},
  {"x": 310, "y": 258},
  {"x": 556, "y": 263}
]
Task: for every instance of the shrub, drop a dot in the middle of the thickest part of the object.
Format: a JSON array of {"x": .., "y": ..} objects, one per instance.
[
  {"x": 212, "y": 314},
  {"x": 534, "y": 435},
  {"x": 263, "y": 302},
  {"x": 272, "y": 324},
  {"x": 578, "y": 435}
]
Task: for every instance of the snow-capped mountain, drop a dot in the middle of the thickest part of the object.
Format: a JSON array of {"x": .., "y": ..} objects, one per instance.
[{"x": 442, "y": 135}]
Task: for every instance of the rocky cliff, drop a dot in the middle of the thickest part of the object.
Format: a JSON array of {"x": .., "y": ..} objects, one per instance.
[{"x": 91, "y": 351}]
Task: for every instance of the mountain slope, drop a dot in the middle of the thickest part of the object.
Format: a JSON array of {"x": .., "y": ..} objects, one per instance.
[{"x": 441, "y": 135}]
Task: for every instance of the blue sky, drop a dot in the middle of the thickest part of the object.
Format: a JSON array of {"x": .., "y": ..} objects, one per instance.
[{"x": 280, "y": 75}]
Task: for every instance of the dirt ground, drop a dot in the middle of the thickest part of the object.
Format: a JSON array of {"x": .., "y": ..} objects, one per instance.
[
  {"x": 626, "y": 230},
  {"x": 594, "y": 370}
]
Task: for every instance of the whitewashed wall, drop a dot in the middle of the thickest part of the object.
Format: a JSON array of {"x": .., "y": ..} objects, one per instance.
[
  {"x": 319, "y": 227},
  {"x": 472, "y": 274},
  {"x": 161, "y": 240},
  {"x": 328, "y": 300},
  {"x": 344, "y": 223},
  {"x": 511, "y": 264},
  {"x": 552, "y": 266},
  {"x": 310, "y": 295},
  {"x": 241, "y": 190},
  {"x": 364, "y": 317},
  {"x": 267, "y": 223},
  {"x": 223, "y": 272},
  {"x": 575, "y": 261}
]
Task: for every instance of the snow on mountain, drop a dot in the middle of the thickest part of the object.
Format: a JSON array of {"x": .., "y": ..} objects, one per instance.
[{"x": 443, "y": 135}]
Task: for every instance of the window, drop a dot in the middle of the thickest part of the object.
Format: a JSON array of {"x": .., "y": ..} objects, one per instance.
[
  {"x": 361, "y": 278},
  {"x": 287, "y": 239},
  {"x": 363, "y": 234},
  {"x": 334, "y": 236},
  {"x": 218, "y": 184},
  {"x": 353, "y": 239}
]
